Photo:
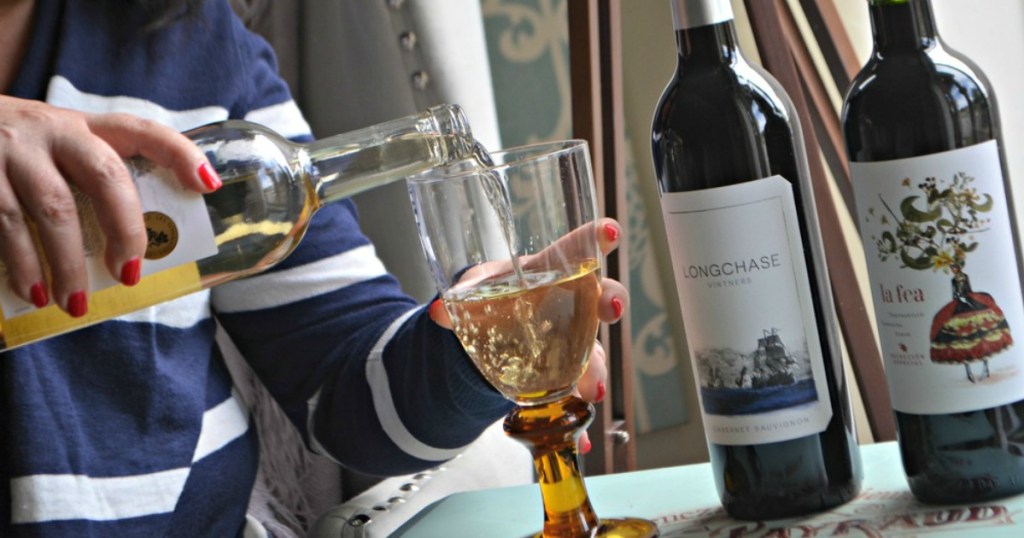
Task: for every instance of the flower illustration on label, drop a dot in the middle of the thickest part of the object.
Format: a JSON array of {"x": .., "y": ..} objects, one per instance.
[{"x": 935, "y": 229}]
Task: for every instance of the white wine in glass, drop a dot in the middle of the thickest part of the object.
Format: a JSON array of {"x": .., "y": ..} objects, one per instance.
[
  {"x": 529, "y": 338},
  {"x": 512, "y": 246}
]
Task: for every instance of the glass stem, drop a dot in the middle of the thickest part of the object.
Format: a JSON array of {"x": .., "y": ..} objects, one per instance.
[{"x": 551, "y": 431}]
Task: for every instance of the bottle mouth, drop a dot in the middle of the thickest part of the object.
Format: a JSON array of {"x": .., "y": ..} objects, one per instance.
[{"x": 451, "y": 119}]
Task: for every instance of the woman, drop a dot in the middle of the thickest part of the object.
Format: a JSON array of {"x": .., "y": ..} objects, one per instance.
[
  {"x": 969, "y": 328},
  {"x": 131, "y": 427}
]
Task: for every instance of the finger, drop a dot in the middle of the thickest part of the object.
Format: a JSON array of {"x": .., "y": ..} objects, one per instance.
[
  {"x": 130, "y": 136},
  {"x": 614, "y": 301},
  {"x": 439, "y": 314},
  {"x": 578, "y": 243},
  {"x": 101, "y": 174},
  {"x": 584, "y": 443},
  {"x": 609, "y": 233},
  {"x": 18, "y": 250},
  {"x": 47, "y": 199},
  {"x": 592, "y": 385}
]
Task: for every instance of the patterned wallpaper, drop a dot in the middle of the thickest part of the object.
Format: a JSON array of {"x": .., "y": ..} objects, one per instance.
[{"x": 528, "y": 52}]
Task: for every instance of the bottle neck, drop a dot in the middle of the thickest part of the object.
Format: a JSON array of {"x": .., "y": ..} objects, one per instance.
[
  {"x": 902, "y": 25},
  {"x": 705, "y": 33},
  {"x": 343, "y": 165}
]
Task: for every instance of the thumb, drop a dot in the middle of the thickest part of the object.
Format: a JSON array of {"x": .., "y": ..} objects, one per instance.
[
  {"x": 439, "y": 314},
  {"x": 584, "y": 443}
]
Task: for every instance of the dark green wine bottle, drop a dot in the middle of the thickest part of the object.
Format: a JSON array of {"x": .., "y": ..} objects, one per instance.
[
  {"x": 933, "y": 209},
  {"x": 749, "y": 267}
]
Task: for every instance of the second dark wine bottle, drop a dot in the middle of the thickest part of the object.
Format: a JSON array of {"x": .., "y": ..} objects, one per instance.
[
  {"x": 750, "y": 271},
  {"x": 933, "y": 210}
]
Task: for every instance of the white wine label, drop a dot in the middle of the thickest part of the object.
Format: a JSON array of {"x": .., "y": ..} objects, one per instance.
[
  {"x": 177, "y": 223},
  {"x": 171, "y": 209},
  {"x": 747, "y": 308},
  {"x": 943, "y": 274}
]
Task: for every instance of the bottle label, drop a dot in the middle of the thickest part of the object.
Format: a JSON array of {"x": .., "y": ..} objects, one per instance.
[
  {"x": 171, "y": 214},
  {"x": 943, "y": 275},
  {"x": 748, "y": 312}
]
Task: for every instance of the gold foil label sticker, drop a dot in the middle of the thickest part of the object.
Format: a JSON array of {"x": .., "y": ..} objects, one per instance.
[{"x": 163, "y": 235}]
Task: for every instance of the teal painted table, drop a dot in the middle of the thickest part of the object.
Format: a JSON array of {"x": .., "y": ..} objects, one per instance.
[{"x": 683, "y": 502}]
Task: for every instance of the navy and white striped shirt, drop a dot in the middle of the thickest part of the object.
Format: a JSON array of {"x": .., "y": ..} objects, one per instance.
[{"x": 131, "y": 427}]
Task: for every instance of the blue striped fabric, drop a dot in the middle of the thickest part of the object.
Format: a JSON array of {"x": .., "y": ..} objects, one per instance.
[{"x": 131, "y": 427}]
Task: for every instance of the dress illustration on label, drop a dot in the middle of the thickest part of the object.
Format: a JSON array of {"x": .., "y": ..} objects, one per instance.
[
  {"x": 768, "y": 378},
  {"x": 939, "y": 236}
]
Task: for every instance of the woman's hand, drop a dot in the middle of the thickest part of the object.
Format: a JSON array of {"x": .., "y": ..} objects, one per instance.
[
  {"x": 610, "y": 308},
  {"x": 44, "y": 150},
  {"x": 612, "y": 305}
]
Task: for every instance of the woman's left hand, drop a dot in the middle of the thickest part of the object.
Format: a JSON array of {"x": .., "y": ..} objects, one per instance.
[{"x": 612, "y": 305}]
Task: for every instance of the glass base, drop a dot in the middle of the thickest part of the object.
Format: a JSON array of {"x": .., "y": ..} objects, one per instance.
[
  {"x": 621, "y": 528},
  {"x": 551, "y": 431}
]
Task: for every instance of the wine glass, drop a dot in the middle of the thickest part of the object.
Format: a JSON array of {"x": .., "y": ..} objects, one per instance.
[{"x": 512, "y": 246}]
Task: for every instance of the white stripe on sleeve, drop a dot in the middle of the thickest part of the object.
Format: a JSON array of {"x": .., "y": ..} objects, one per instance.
[
  {"x": 314, "y": 443},
  {"x": 180, "y": 313},
  {"x": 56, "y": 497},
  {"x": 48, "y": 497},
  {"x": 384, "y": 404},
  {"x": 222, "y": 424},
  {"x": 279, "y": 288},
  {"x": 284, "y": 118},
  {"x": 61, "y": 92}
]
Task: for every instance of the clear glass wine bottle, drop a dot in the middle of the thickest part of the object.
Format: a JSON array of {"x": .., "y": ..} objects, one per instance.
[{"x": 272, "y": 187}]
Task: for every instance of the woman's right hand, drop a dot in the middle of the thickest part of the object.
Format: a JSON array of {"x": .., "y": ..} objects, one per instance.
[{"x": 43, "y": 151}]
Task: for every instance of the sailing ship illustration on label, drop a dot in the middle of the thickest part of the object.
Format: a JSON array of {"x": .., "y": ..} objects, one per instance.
[
  {"x": 766, "y": 379},
  {"x": 936, "y": 229}
]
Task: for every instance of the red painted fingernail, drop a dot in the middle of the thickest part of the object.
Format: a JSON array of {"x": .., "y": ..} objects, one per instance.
[
  {"x": 435, "y": 310},
  {"x": 611, "y": 232},
  {"x": 617, "y": 306},
  {"x": 600, "y": 391},
  {"x": 78, "y": 305},
  {"x": 209, "y": 177},
  {"x": 40, "y": 297},
  {"x": 585, "y": 445},
  {"x": 131, "y": 271}
]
